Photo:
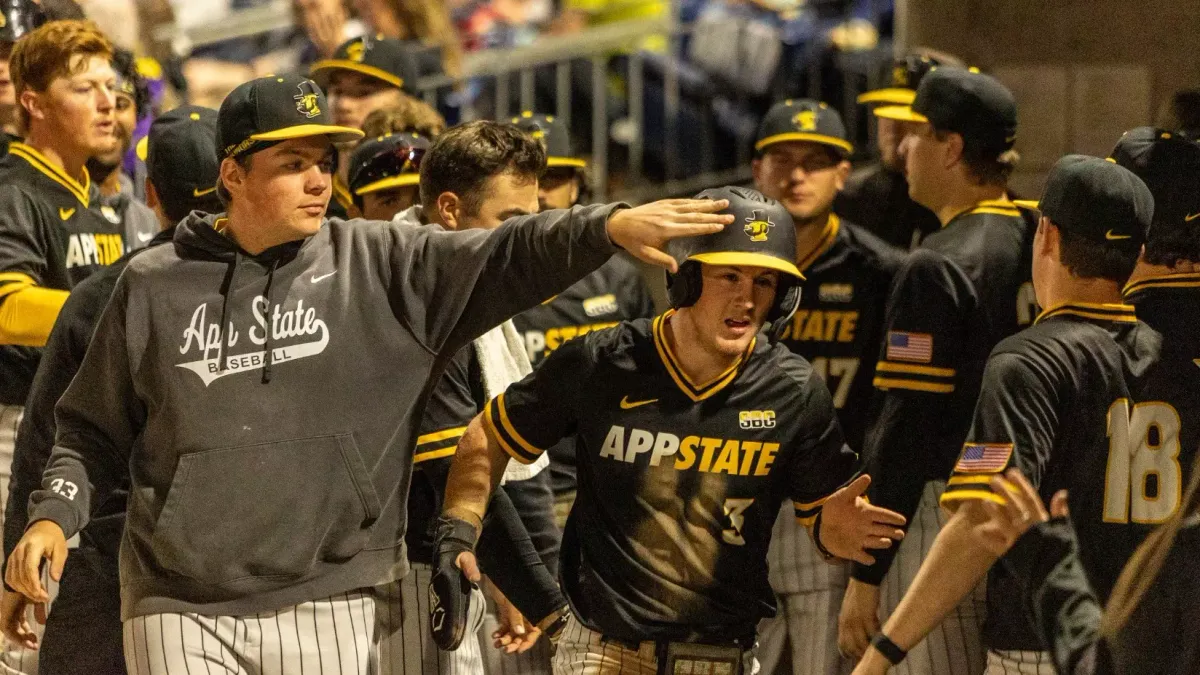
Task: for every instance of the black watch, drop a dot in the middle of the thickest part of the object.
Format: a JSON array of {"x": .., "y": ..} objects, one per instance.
[{"x": 890, "y": 650}]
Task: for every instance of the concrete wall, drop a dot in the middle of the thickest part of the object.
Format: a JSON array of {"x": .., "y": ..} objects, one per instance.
[{"x": 1083, "y": 71}]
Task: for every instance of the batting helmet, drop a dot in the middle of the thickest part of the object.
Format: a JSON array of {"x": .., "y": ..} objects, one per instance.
[
  {"x": 762, "y": 235},
  {"x": 18, "y": 17}
]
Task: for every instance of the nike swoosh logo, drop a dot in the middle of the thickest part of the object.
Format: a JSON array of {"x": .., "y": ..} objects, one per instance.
[
  {"x": 1113, "y": 237},
  {"x": 626, "y": 404},
  {"x": 144, "y": 237},
  {"x": 323, "y": 277},
  {"x": 1188, "y": 219},
  {"x": 65, "y": 213},
  {"x": 197, "y": 192}
]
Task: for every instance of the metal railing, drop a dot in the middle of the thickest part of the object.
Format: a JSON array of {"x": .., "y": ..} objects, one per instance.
[{"x": 495, "y": 81}]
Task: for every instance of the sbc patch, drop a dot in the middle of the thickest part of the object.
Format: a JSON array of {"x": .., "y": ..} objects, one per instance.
[
  {"x": 984, "y": 457},
  {"x": 835, "y": 292},
  {"x": 914, "y": 347}
]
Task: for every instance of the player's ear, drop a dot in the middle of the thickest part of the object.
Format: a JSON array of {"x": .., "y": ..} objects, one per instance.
[
  {"x": 756, "y": 170},
  {"x": 843, "y": 173},
  {"x": 32, "y": 102},
  {"x": 954, "y": 149},
  {"x": 231, "y": 175},
  {"x": 449, "y": 209},
  {"x": 1047, "y": 237}
]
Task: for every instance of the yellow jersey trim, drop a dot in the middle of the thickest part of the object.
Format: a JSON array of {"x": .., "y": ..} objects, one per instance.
[
  {"x": 970, "y": 480},
  {"x": 965, "y": 495},
  {"x": 1117, "y": 312},
  {"x": 828, "y": 236},
  {"x": 55, "y": 173},
  {"x": 696, "y": 392},
  {"x": 1189, "y": 280},
  {"x": 892, "y": 367},
  {"x": 434, "y": 454},
  {"x": 915, "y": 385},
  {"x": 440, "y": 435}
]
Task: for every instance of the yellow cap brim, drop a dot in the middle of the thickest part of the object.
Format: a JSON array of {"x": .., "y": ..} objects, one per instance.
[
  {"x": 336, "y": 134},
  {"x": 900, "y": 112},
  {"x": 1031, "y": 204},
  {"x": 804, "y": 137},
  {"x": 403, "y": 180},
  {"x": 748, "y": 259},
  {"x": 893, "y": 95},
  {"x": 565, "y": 161},
  {"x": 320, "y": 68}
]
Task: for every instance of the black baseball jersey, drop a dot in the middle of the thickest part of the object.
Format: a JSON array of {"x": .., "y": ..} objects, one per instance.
[
  {"x": 964, "y": 290},
  {"x": 839, "y": 324},
  {"x": 877, "y": 199},
  {"x": 1053, "y": 398},
  {"x": 679, "y": 482},
  {"x": 49, "y": 237},
  {"x": 613, "y": 293}
]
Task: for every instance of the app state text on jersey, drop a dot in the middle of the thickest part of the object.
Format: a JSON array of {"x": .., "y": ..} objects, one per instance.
[
  {"x": 49, "y": 237},
  {"x": 839, "y": 324},
  {"x": 1053, "y": 396},
  {"x": 679, "y": 482}
]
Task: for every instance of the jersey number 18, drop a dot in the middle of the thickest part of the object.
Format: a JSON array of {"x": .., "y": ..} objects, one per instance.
[{"x": 1143, "y": 480}]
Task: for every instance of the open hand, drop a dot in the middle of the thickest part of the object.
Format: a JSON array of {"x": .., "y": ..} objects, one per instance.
[
  {"x": 644, "y": 230},
  {"x": 850, "y": 525},
  {"x": 1022, "y": 509},
  {"x": 43, "y": 539}
]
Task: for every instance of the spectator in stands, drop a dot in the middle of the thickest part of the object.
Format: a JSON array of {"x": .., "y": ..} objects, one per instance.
[
  {"x": 424, "y": 21},
  {"x": 364, "y": 75},
  {"x": 876, "y": 196}
]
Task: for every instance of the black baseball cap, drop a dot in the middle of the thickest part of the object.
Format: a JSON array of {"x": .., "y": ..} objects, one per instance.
[
  {"x": 387, "y": 162},
  {"x": 803, "y": 120},
  {"x": 1098, "y": 200},
  {"x": 267, "y": 110},
  {"x": 181, "y": 159},
  {"x": 392, "y": 61},
  {"x": 967, "y": 102},
  {"x": 907, "y": 73},
  {"x": 18, "y": 17},
  {"x": 1169, "y": 164},
  {"x": 553, "y": 135}
]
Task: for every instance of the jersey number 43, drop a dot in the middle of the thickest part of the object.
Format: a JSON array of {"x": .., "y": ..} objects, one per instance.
[{"x": 1143, "y": 480}]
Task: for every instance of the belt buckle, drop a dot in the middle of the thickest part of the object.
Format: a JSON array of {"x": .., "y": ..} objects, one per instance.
[{"x": 689, "y": 658}]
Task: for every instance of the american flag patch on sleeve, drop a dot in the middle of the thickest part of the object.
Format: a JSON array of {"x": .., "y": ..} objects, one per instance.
[
  {"x": 983, "y": 457},
  {"x": 917, "y": 347}
]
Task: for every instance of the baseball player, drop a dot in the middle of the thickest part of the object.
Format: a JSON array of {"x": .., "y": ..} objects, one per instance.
[
  {"x": 615, "y": 292},
  {"x": 365, "y": 74},
  {"x": 876, "y": 195},
  {"x": 406, "y": 115},
  {"x": 504, "y": 165},
  {"x": 803, "y": 162},
  {"x": 20, "y": 17},
  {"x": 1051, "y": 395},
  {"x": 113, "y": 193},
  {"x": 385, "y": 174},
  {"x": 966, "y": 288},
  {"x": 245, "y": 381},
  {"x": 1150, "y": 623},
  {"x": 83, "y": 632},
  {"x": 690, "y": 429},
  {"x": 50, "y": 239}
]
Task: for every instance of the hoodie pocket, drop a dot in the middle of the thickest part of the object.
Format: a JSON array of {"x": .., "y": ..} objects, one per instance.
[{"x": 266, "y": 510}]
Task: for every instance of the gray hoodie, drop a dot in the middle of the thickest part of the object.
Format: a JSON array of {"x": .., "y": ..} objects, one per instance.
[{"x": 268, "y": 466}]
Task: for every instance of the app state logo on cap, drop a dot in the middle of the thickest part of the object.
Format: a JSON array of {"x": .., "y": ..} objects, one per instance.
[
  {"x": 806, "y": 120},
  {"x": 758, "y": 226},
  {"x": 306, "y": 100},
  {"x": 356, "y": 51}
]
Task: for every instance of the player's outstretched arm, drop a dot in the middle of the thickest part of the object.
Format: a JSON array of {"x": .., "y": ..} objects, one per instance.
[{"x": 955, "y": 565}]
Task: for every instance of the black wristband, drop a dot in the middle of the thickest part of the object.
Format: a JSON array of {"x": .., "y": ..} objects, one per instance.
[
  {"x": 890, "y": 650},
  {"x": 816, "y": 535}
]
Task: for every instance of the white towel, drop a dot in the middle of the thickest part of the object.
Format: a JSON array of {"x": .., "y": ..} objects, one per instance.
[{"x": 503, "y": 361}]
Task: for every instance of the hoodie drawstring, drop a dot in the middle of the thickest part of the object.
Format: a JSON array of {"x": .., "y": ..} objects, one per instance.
[
  {"x": 266, "y": 373},
  {"x": 226, "y": 285}
]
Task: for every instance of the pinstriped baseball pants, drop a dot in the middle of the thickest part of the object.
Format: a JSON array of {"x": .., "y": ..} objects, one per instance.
[
  {"x": 955, "y": 647},
  {"x": 1012, "y": 662},
  {"x": 585, "y": 652},
  {"x": 802, "y": 637},
  {"x": 404, "y": 636},
  {"x": 14, "y": 659}
]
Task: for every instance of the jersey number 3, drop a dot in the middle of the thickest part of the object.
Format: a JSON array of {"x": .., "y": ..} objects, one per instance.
[{"x": 1142, "y": 482}]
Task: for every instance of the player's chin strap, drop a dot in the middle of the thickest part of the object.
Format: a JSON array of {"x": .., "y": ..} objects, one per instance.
[{"x": 890, "y": 650}]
